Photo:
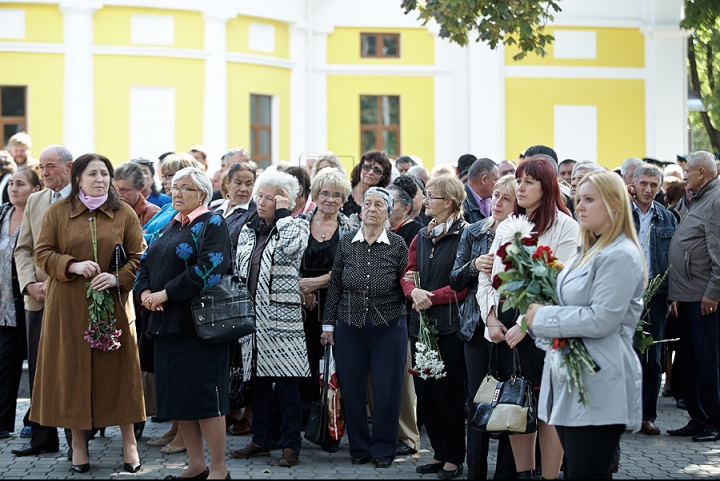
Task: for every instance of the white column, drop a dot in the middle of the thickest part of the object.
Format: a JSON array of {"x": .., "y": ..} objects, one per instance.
[
  {"x": 298, "y": 90},
  {"x": 665, "y": 93},
  {"x": 215, "y": 118},
  {"x": 486, "y": 101},
  {"x": 78, "y": 76},
  {"x": 317, "y": 99},
  {"x": 450, "y": 106}
]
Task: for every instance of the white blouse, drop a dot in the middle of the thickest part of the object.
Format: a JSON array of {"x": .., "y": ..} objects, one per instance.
[{"x": 561, "y": 237}]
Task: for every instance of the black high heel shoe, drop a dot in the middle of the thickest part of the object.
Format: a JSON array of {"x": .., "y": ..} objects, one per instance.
[
  {"x": 132, "y": 467},
  {"x": 80, "y": 468}
]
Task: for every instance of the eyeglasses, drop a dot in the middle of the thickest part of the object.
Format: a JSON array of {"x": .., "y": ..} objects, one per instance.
[
  {"x": 334, "y": 195},
  {"x": 181, "y": 190},
  {"x": 431, "y": 198},
  {"x": 369, "y": 167}
]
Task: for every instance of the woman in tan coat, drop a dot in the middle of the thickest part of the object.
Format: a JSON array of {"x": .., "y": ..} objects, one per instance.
[{"x": 79, "y": 386}]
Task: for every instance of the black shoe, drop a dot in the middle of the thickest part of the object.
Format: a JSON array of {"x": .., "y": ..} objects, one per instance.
[
  {"x": 200, "y": 477},
  {"x": 404, "y": 450},
  {"x": 711, "y": 433},
  {"x": 132, "y": 467},
  {"x": 680, "y": 403},
  {"x": 362, "y": 459},
  {"x": 30, "y": 450},
  {"x": 80, "y": 468},
  {"x": 429, "y": 468},
  {"x": 139, "y": 428},
  {"x": 452, "y": 474},
  {"x": 382, "y": 462},
  {"x": 690, "y": 429},
  {"x": 156, "y": 419}
]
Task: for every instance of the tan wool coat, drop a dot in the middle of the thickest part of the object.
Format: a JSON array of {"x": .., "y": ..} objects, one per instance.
[{"x": 78, "y": 387}]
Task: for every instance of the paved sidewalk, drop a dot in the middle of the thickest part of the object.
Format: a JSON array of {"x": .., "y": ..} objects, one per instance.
[{"x": 643, "y": 457}]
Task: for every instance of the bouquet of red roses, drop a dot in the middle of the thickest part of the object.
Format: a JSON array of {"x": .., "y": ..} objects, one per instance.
[{"x": 530, "y": 276}]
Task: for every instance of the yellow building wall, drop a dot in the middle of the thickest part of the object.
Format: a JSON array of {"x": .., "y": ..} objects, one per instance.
[
  {"x": 114, "y": 75},
  {"x": 417, "y": 46},
  {"x": 615, "y": 47},
  {"x": 43, "y": 23},
  {"x": 238, "y": 36},
  {"x": 417, "y": 126},
  {"x": 43, "y": 75},
  {"x": 620, "y": 114},
  {"x": 244, "y": 80},
  {"x": 112, "y": 26}
]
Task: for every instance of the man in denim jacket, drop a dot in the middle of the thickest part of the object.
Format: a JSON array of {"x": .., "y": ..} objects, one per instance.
[
  {"x": 695, "y": 286},
  {"x": 655, "y": 226}
]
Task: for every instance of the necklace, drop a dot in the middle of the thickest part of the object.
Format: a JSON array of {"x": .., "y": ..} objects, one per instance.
[{"x": 323, "y": 234}]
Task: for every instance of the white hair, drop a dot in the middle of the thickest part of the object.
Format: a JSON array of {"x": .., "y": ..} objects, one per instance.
[
  {"x": 703, "y": 159},
  {"x": 628, "y": 164},
  {"x": 587, "y": 165},
  {"x": 650, "y": 170},
  {"x": 417, "y": 169},
  {"x": 330, "y": 177},
  {"x": 279, "y": 181},
  {"x": 198, "y": 178}
]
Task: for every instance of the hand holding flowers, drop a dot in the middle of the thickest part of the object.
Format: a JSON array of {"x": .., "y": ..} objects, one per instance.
[{"x": 428, "y": 363}]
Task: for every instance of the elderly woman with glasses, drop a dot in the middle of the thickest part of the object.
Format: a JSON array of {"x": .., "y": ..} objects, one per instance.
[
  {"x": 189, "y": 257},
  {"x": 365, "y": 314},
  {"x": 270, "y": 250},
  {"x": 374, "y": 170}
]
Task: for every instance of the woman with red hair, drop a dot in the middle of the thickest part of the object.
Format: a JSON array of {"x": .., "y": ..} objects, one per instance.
[{"x": 538, "y": 197}]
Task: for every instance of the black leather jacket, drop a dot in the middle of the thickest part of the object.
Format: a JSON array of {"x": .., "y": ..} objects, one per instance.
[{"x": 473, "y": 243}]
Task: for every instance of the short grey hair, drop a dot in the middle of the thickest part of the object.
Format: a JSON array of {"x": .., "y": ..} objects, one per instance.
[
  {"x": 231, "y": 152},
  {"x": 703, "y": 159},
  {"x": 131, "y": 172},
  {"x": 417, "y": 169},
  {"x": 650, "y": 170},
  {"x": 586, "y": 165},
  {"x": 62, "y": 151},
  {"x": 328, "y": 157},
  {"x": 628, "y": 164},
  {"x": 546, "y": 157},
  {"x": 480, "y": 167},
  {"x": 198, "y": 178},
  {"x": 279, "y": 180},
  {"x": 330, "y": 177}
]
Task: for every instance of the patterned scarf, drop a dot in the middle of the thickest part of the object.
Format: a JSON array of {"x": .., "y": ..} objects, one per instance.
[{"x": 435, "y": 231}]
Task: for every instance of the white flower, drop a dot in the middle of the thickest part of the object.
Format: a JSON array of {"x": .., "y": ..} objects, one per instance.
[{"x": 514, "y": 225}]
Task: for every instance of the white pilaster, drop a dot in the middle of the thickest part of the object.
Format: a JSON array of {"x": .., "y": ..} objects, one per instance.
[
  {"x": 215, "y": 118},
  {"x": 317, "y": 99},
  {"x": 486, "y": 101},
  {"x": 298, "y": 90},
  {"x": 450, "y": 111},
  {"x": 78, "y": 76}
]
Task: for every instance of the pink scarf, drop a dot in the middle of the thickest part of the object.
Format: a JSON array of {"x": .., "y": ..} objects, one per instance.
[{"x": 92, "y": 203}]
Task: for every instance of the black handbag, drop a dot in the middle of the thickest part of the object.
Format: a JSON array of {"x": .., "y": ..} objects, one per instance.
[
  {"x": 317, "y": 429},
  {"x": 119, "y": 258},
  {"x": 512, "y": 408},
  {"x": 224, "y": 312}
]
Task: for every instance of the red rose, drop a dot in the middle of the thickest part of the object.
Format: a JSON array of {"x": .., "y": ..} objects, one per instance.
[
  {"x": 528, "y": 241},
  {"x": 559, "y": 343},
  {"x": 501, "y": 253},
  {"x": 540, "y": 250},
  {"x": 497, "y": 282},
  {"x": 414, "y": 372}
]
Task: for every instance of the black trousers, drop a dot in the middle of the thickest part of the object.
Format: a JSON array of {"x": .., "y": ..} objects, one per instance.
[
  {"x": 383, "y": 350},
  {"x": 651, "y": 361},
  {"x": 477, "y": 352},
  {"x": 442, "y": 402},
  {"x": 11, "y": 359},
  {"x": 42, "y": 436},
  {"x": 589, "y": 450}
]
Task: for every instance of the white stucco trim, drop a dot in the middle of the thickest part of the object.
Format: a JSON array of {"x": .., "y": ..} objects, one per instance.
[
  {"x": 150, "y": 51},
  {"x": 215, "y": 99},
  {"x": 259, "y": 60},
  {"x": 382, "y": 70},
  {"x": 32, "y": 47},
  {"x": 574, "y": 72}
]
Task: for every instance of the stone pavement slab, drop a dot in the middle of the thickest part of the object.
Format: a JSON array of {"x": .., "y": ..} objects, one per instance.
[{"x": 643, "y": 457}]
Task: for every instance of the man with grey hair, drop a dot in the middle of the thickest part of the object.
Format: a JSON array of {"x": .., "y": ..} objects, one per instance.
[
  {"x": 695, "y": 291},
  {"x": 580, "y": 170},
  {"x": 481, "y": 180},
  {"x": 655, "y": 226},
  {"x": 55, "y": 164},
  {"x": 627, "y": 168}
]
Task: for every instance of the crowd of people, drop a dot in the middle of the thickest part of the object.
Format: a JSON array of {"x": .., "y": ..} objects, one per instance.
[{"x": 99, "y": 265}]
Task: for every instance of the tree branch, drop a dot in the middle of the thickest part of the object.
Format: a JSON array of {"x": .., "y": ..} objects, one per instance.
[{"x": 712, "y": 132}]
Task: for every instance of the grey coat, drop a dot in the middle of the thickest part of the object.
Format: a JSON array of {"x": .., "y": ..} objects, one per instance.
[{"x": 600, "y": 302}]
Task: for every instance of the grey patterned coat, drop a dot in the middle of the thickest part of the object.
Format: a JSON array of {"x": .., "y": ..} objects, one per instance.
[{"x": 280, "y": 340}]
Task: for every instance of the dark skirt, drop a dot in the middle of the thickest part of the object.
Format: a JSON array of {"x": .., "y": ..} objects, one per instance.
[{"x": 191, "y": 378}]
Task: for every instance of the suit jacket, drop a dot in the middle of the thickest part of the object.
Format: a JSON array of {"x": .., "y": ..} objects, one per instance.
[
  {"x": 37, "y": 204},
  {"x": 471, "y": 210}
]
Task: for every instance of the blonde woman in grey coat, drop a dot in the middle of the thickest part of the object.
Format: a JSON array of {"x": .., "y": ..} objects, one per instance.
[{"x": 600, "y": 294}]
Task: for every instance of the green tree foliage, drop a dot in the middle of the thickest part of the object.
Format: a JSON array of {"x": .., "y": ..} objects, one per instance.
[
  {"x": 512, "y": 22},
  {"x": 702, "y": 19}
]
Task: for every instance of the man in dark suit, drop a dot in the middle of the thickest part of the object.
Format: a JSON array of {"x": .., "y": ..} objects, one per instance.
[{"x": 479, "y": 188}]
